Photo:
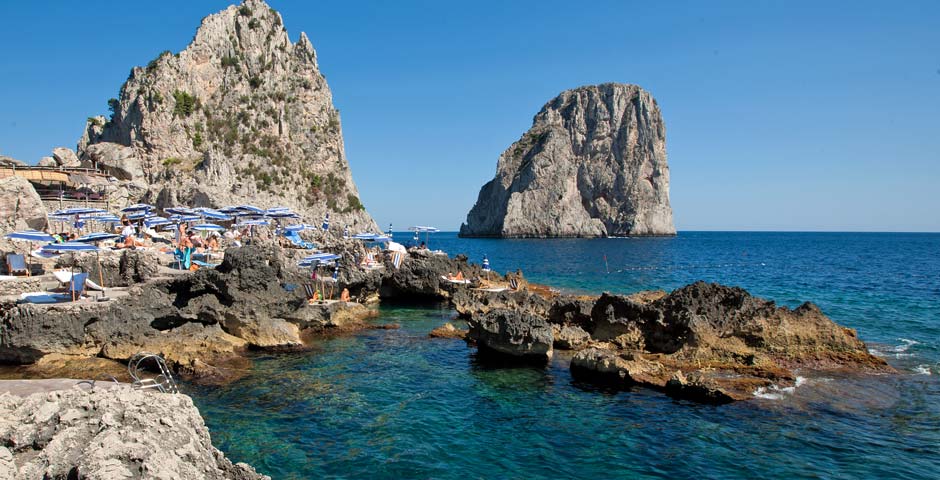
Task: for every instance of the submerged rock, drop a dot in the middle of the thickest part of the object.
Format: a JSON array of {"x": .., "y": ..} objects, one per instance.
[
  {"x": 448, "y": 330},
  {"x": 109, "y": 433},
  {"x": 592, "y": 165}
]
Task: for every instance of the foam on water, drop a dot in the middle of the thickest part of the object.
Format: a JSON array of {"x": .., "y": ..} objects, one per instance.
[
  {"x": 922, "y": 369},
  {"x": 775, "y": 392}
]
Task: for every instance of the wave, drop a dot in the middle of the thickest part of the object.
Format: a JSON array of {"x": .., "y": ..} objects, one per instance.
[
  {"x": 923, "y": 369},
  {"x": 775, "y": 392}
]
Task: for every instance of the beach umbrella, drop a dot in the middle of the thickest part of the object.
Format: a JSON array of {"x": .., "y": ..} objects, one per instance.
[
  {"x": 299, "y": 227},
  {"x": 207, "y": 227},
  {"x": 346, "y": 231},
  {"x": 486, "y": 263},
  {"x": 141, "y": 215},
  {"x": 30, "y": 236},
  {"x": 138, "y": 207},
  {"x": 253, "y": 223},
  {"x": 69, "y": 247},
  {"x": 96, "y": 237},
  {"x": 178, "y": 210},
  {"x": 78, "y": 211},
  {"x": 326, "y": 222},
  {"x": 418, "y": 229},
  {"x": 214, "y": 214},
  {"x": 389, "y": 231},
  {"x": 184, "y": 218},
  {"x": 370, "y": 237},
  {"x": 156, "y": 222},
  {"x": 250, "y": 209}
]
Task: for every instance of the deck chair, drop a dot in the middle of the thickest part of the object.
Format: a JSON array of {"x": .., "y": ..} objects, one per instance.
[
  {"x": 309, "y": 290},
  {"x": 16, "y": 264},
  {"x": 183, "y": 258},
  {"x": 77, "y": 285},
  {"x": 513, "y": 283}
]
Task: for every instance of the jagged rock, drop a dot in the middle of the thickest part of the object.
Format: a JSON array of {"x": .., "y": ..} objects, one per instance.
[
  {"x": 512, "y": 333},
  {"x": 109, "y": 433},
  {"x": 65, "y": 157},
  {"x": 570, "y": 337},
  {"x": 592, "y": 165},
  {"x": 20, "y": 209},
  {"x": 117, "y": 160},
  {"x": 240, "y": 113},
  {"x": 47, "y": 162}
]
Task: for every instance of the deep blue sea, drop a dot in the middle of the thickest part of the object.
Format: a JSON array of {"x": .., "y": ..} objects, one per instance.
[{"x": 397, "y": 404}]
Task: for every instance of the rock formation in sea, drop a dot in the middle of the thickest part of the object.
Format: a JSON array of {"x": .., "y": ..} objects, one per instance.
[
  {"x": 592, "y": 165},
  {"x": 241, "y": 115},
  {"x": 703, "y": 342},
  {"x": 109, "y": 433}
]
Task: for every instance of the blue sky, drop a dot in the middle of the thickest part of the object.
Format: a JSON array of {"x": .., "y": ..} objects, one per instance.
[{"x": 779, "y": 115}]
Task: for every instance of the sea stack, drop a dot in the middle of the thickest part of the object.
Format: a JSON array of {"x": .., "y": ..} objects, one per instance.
[
  {"x": 592, "y": 165},
  {"x": 241, "y": 115}
]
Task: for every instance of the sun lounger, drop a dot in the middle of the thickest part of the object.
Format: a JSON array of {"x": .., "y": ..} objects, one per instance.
[
  {"x": 205, "y": 264},
  {"x": 77, "y": 285},
  {"x": 453, "y": 280},
  {"x": 16, "y": 264}
]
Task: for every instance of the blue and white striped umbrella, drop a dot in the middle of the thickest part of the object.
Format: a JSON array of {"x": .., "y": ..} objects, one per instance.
[
  {"x": 318, "y": 259},
  {"x": 253, "y": 223},
  {"x": 107, "y": 219},
  {"x": 281, "y": 215},
  {"x": 96, "y": 237},
  {"x": 156, "y": 222},
  {"x": 278, "y": 210},
  {"x": 207, "y": 227},
  {"x": 371, "y": 237},
  {"x": 211, "y": 213},
  {"x": 326, "y": 222},
  {"x": 486, "y": 264},
  {"x": 184, "y": 218},
  {"x": 70, "y": 247},
  {"x": 78, "y": 211},
  {"x": 346, "y": 231},
  {"x": 251, "y": 209},
  {"x": 31, "y": 236},
  {"x": 138, "y": 207},
  {"x": 141, "y": 215},
  {"x": 389, "y": 233},
  {"x": 299, "y": 227},
  {"x": 60, "y": 218},
  {"x": 178, "y": 210}
]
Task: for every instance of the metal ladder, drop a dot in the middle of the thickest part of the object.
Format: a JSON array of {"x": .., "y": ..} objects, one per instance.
[{"x": 163, "y": 382}]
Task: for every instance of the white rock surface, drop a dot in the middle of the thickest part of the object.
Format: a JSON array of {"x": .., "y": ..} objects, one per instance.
[
  {"x": 65, "y": 157},
  {"x": 109, "y": 433},
  {"x": 592, "y": 165}
]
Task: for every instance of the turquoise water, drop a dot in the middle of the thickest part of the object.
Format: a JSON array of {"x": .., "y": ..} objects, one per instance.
[{"x": 396, "y": 404}]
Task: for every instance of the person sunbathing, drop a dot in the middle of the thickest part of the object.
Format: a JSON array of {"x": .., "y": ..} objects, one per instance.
[
  {"x": 345, "y": 295},
  {"x": 459, "y": 276}
]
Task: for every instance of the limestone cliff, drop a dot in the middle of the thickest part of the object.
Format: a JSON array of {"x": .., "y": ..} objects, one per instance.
[
  {"x": 241, "y": 115},
  {"x": 592, "y": 165}
]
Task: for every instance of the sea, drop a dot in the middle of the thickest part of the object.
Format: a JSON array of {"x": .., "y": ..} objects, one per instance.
[{"x": 396, "y": 404}]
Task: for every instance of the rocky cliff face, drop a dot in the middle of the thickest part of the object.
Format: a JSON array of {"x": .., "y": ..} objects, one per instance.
[
  {"x": 241, "y": 115},
  {"x": 592, "y": 165}
]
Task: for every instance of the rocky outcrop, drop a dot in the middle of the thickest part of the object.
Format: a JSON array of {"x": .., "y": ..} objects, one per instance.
[
  {"x": 200, "y": 321},
  {"x": 65, "y": 157},
  {"x": 703, "y": 342},
  {"x": 592, "y": 165},
  {"x": 47, "y": 162},
  {"x": 20, "y": 209},
  {"x": 109, "y": 433},
  {"x": 512, "y": 333},
  {"x": 117, "y": 160},
  {"x": 242, "y": 113}
]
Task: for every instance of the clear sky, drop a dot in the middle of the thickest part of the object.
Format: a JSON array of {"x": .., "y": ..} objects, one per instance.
[{"x": 779, "y": 115}]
